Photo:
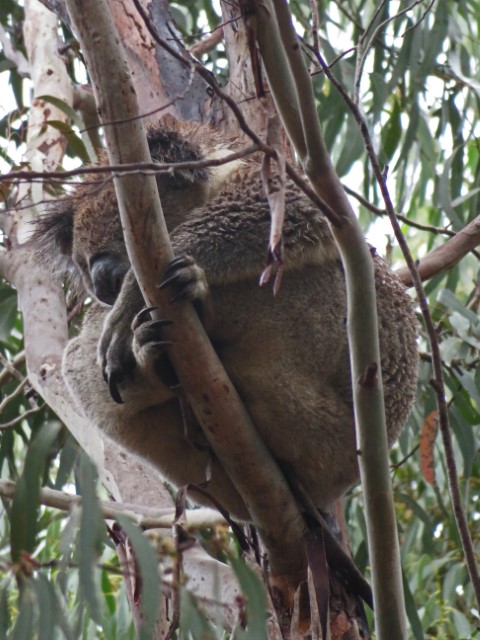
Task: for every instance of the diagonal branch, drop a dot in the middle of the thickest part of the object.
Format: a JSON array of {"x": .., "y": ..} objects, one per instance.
[{"x": 210, "y": 393}]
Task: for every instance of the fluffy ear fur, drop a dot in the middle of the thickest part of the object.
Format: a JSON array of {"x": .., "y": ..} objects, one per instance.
[
  {"x": 169, "y": 146},
  {"x": 52, "y": 241}
]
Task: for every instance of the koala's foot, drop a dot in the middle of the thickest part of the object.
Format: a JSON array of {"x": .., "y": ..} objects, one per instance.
[
  {"x": 187, "y": 280},
  {"x": 149, "y": 346}
]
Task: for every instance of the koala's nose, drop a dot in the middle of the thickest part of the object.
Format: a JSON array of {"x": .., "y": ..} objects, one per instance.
[{"x": 107, "y": 271}]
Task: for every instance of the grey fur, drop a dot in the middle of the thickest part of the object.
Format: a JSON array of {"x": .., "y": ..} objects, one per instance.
[{"x": 287, "y": 355}]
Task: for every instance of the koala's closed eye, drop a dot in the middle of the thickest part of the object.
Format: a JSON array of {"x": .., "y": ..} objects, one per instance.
[{"x": 107, "y": 271}]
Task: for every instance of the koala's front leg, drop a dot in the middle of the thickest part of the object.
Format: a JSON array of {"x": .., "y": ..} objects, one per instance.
[
  {"x": 115, "y": 348},
  {"x": 130, "y": 339}
]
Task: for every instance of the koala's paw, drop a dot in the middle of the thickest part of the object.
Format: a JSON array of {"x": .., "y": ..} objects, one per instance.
[
  {"x": 186, "y": 279},
  {"x": 149, "y": 346},
  {"x": 115, "y": 354}
]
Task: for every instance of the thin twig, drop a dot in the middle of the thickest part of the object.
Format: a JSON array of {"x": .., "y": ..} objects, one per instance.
[
  {"x": 142, "y": 168},
  {"x": 10, "y": 367},
  {"x": 207, "y": 43},
  {"x": 363, "y": 49},
  {"x": 9, "y": 425},
  {"x": 144, "y": 517},
  {"x": 422, "y": 18},
  {"x": 378, "y": 211},
  {"x": 274, "y": 22},
  {"x": 14, "y": 394}
]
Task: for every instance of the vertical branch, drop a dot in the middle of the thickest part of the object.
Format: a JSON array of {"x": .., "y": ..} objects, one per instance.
[
  {"x": 275, "y": 21},
  {"x": 438, "y": 382},
  {"x": 45, "y": 145}
]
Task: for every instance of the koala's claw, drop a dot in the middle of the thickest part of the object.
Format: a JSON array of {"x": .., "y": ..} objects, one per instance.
[
  {"x": 186, "y": 278},
  {"x": 149, "y": 346},
  {"x": 113, "y": 381},
  {"x": 177, "y": 263},
  {"x": 142, "y": 316},
  {"x": 151, "y": 332}
]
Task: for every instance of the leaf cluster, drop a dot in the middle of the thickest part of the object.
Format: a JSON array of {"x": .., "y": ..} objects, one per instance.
[{"x": 418, "y": 88}]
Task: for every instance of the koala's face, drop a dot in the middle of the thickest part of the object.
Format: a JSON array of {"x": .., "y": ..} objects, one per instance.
[
  {"x": 86, "y": 229},
  {"x": 98, "y": 249}
]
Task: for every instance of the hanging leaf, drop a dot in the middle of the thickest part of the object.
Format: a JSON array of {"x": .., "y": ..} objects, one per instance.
[
  {"x": 24, "y": 513},
  {"x": 427, "y": 443},
  {"x": 193, "y": 621},
  {"x": 91, "y": 536},
  {"x": 256, "y": 601},
  {"x": 147, "y": 562}
]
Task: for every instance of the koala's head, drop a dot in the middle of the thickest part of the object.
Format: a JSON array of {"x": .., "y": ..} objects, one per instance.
[{"x": 82, "y": 235}]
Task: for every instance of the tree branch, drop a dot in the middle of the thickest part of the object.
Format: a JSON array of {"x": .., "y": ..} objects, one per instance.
[
  {"x": 438, "y": 381},
  {"x": 142, "y": 516},
  {"x": 390, "y": 613},
  {"x": 210, "y": 393},
  {"x": 42, "y": 302},
  {"x": 446, "y": 256}
]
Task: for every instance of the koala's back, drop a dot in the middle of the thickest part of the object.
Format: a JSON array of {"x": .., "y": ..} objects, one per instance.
[
  {"x": 286, "y": 354},
  {"x": 288, "y": 357}
]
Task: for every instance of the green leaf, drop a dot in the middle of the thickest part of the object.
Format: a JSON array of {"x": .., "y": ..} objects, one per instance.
[
  {"x": 91, "y": 536},
  {"x": 412, "y": 613},
  {"x": 462, "y": 199},
  {"x": 256, "y": 601},
  {"x": 392, "y": 132},
  {"x": 68, "y": 457},
  {"x": 4, "y": 612},
  {"x": 74, "y": 140},
  {"x": 8, "y": 315},
  {"x": 60, "y": 104},
  {"x": 448, "y": 298},
  {"x": 46, "y": 608},
  {"x": 23, "y": 629},
  {"x": 50, "y": 610},
  {"x": 434, "y": 40},
  {"x": 443, "y": 196},
  {"x": 27, "y": 495},
  {"x": 83, "y": 147},
  {"x": 193, "y": 623},
  {"x": 7, "y": 65},
  {"x": 148, "y": 565},
  {"x": 353, "y": 148},
  {"x": 465, "y": 438},
  {"x": 461, "y": 624}
]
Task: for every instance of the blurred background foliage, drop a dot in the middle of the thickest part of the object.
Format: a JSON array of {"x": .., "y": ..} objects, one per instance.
[{"x": 419, "y": 91}]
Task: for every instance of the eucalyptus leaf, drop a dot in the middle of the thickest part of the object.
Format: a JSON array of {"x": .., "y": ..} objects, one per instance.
[
  {"x": 193, "y": 622},
  {"x": 24, "y": 513},
  {"x": 256, "y": 601},
  {"x": 90, "y": 538},
  {"x": 148, "y": 580}
]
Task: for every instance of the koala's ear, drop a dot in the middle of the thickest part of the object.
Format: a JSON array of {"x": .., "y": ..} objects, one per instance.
[
  {"x": 52, "y": 238},
  {"x": 170, "y": 146}
]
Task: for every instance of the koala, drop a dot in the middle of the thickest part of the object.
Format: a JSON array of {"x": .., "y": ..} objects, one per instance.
[{"x": 287, "y": 354}]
